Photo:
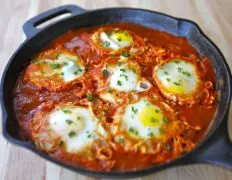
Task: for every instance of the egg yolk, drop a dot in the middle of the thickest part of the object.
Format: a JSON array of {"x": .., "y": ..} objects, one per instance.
[
  {"x": 121, "y": 36},
  {"x": 178, "y": 87},
  {"x": 150, "y": 116}
]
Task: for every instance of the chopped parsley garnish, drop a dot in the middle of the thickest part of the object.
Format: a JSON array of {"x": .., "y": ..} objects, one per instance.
[
  {"x": 54, "y": 65},
  {"x": 119, "y": 39},
  {"x": 134, "y": 70},
  {"x": 75, "y": 72},
  {"x": 165, "y": 120},
  {"x": 126, "y": 34},
  {"x": 91, "y": 97},
  {"x": 153, "y": 120},
  {"x": 119, "y": 63},
  {"x": 176, "y": 61},
  {"x": 66, "y": 111},
  {"x": 121, "y": 140},
  {"x": 134, "y": 109},
  {"x": 168, "y": 79},
  {"x": 133, "y": 131},
  {"x": 61, "y": 73},
  {"x": 57, "y": 55},
  {"x": 123, "y": 70},
  {"x": 106, "y": 44},
  {"x": 119, "y": 83},
  {"x": 177, "y": 83},
  {"x": 151, "y": 134},
  {"x": 125, "y": 76},
  {"x": 165, "y": 72},
  {"x": 157, "y": 111},
  {"x": 125, "y": 54},
  {"x": 68, "y": 121},
  {"x": 65, "y": 63},
  {"x": 109, "y": 91},
  {"x": 179, "y": 69},
  {"x": 105, "y": 72},
  {"x": 78, "y": 117},
  {"x": 185, "y": 73},
  {"x": 72, "y": 134},
  {"x": 88, "y": 134}
]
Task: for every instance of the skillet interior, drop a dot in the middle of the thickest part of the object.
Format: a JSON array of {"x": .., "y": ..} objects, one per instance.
[{"x": 149, "y": 19}]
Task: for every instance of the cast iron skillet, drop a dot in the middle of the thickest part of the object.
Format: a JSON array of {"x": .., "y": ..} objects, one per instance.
[{"x": 215, "y": 148}]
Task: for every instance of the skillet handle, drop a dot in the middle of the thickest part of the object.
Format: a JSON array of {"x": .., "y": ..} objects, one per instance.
[
  {"x": 217, "y": 150},
  {"x": 30, "y": 28}
]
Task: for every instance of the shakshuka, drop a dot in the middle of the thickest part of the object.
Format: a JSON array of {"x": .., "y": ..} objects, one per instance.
[{"x": 116, "y": 97}]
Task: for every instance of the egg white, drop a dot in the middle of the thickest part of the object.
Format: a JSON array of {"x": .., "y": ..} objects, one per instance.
[
  {"x": 136, "y": 121},
  {"x": 127, "y": 79},
  {"x": 178, "y": 77},
  {"x": 76, "y": 126},
  {"x": 65, "y": 66},
  {"x": 114, "y": 39}
]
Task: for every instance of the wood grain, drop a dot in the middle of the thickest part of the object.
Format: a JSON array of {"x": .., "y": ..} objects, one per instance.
[{"x": 213, "y": 16}]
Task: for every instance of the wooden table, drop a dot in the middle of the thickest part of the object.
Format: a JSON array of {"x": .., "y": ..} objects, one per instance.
[{"x": 213, "y": 16}]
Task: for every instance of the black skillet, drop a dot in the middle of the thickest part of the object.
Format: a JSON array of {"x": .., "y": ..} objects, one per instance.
[{"x": 215, "y": 148}]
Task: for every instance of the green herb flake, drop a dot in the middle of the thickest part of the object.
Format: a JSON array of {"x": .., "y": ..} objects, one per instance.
[
  {"x": 121, "y": 140},
  {"x": 105, "y": 73},
  {"x": 91, "y": 97},
  {"x": 125, "y": 54},
  {"x": 165, "y": 120},
  {"x": 119, "y": 39},
  {"x": 179, "y": 69},
  {"x": 133, "y": 70},
  {"x": 61, "y": 73},
  {"x": 54, "y": 65},
  {"x": 157, "y": 110},
  {"x": 109, "y": 91},
  {"x": 125, "y": 76},
  {"x": 106, "y": 44},
  {"x": 177, "y": 83},
  {"x": 72, "y": 134},
  {"x": 66, "y": 111},
  {"x": 153, "y": 120},
  {"x": 150, "y": 134},
  {"x": 134, "y": 109},
  {"x": 123, "y": 70},
  {"x": 185, "y": 73},
  {"x": 165, "y": 72},
  {"x": 88, "y": 134},
  {"x": 119, "y": 83},
  {"x": 168, "y": 79},
  {"x": 57, "y": 55},
  {"x": 176, "y": 61},
  {"x": 119, "y": 63},
  {"x": 65, "y": 63},
  {"x": 68, "y": 121},
  {"x": 78, "y": 117},
  {"x": 133, "y": 131},
  {"x": 75, "y": 72}
]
